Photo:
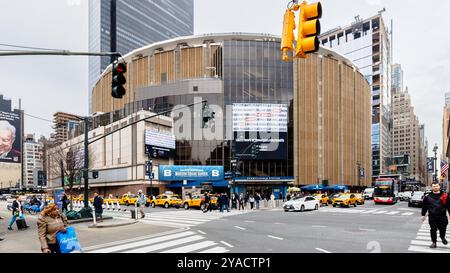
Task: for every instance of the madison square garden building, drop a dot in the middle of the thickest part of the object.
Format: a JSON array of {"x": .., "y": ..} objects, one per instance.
[{"x": 278, "y": 139}]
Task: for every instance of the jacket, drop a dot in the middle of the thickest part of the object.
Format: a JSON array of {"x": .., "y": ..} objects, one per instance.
[
  {"x": 16, "y": 206},
  {"x": 141, "y": 199},
  {"x": 48, "y": 227},
  {"x": 436, "y": 205}
]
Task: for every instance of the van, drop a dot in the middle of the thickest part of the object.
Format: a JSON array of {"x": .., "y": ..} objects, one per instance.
[{"x": 368, "y": 193}]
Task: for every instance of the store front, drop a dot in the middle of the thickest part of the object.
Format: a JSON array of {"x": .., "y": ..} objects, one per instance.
[{"x": 264, "y": 185}]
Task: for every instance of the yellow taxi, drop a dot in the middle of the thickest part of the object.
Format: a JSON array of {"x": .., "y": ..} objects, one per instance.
[
  {"x": 359, "y": 198},
  {"x": 167, "y": 200},
  {"x": 128, "y": 199},
  {"x": 345, "y": 200},
  {"x": 323, "y": 198},
  {"x": 196, "y": 201},
  {"x": 111, "y": 200}
]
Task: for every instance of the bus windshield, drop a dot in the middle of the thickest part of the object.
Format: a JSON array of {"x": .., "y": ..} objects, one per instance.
[{"x": 383, "y": 192}]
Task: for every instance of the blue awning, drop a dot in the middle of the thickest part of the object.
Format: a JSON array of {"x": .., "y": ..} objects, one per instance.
[
  {"x": 222, "y": 183},
  {"x": 313, "y": 188},
  {"x": 337, "y": 188}
]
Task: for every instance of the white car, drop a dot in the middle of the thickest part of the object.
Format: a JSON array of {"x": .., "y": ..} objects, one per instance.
[
  {"x": 406, "y": 196},
  {"x": 302, "y": 204},
  {"x": 368, "y": 193}
]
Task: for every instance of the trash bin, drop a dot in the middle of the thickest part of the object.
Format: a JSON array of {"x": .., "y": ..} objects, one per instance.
[{"x": 133, "y": 214}]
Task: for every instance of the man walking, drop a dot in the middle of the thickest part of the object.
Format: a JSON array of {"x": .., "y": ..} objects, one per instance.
[
  {"x": 142, "y": 200},
  {"x": 207, "y": 203},
  {"x": 98, "y": 207},
  {"x": 437, "y": 205}
]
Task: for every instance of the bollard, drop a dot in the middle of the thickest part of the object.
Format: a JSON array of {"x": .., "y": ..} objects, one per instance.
[
  {"x": 118, "y": 205},
  {"x": 95, "y": 217},
  {"x": 107, "y": 205}
]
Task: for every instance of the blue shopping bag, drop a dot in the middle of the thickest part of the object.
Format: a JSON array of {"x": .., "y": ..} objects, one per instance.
[{"x": 68, "y": 242}]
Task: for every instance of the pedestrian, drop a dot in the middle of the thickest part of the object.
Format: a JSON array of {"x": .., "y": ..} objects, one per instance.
[
  {"x": 437, "y": 205},
  {"x": 247, "y": 195},
  {"x": 17, "y": 211},
  {"x": 49, "y": 223},
  {"x": 207, "y": 203},
  {"x": 241, "y": 201},
  {"x": 98, "y": 207},
  {"x": 142, "y": 200},
  {"x": 272, "y": 200},
  {"x": 234, "y": 201},
  {"x": 257, "y": 199},
  {"x": 251, "y": 200},
  {"x": 226, "y": 202},
  {"x": 65, "y": 203}
]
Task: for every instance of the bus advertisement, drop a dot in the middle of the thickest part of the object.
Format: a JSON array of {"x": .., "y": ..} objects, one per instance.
[{"x": 386, "y": 191}]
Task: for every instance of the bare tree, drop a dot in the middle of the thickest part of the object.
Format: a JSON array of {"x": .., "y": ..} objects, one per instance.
[{"x": 67, "y": 163}]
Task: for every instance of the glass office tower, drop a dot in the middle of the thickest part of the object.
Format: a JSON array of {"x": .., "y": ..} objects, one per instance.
[{"x": 139, "y": 23}]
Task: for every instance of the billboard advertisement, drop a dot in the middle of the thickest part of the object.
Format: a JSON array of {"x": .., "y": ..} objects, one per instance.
[
  {"x": 260, "y": 131},
  {"x": 190, "y": 173},
  {"x": 159, "y": 144},
  {"x": 10, "y": 135}
]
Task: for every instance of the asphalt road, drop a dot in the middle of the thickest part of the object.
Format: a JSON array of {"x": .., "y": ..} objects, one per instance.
[{"x": 386, "y": 229}]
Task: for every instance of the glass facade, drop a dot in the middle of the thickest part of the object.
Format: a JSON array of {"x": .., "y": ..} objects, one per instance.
[{"x": 139, "y": 23}]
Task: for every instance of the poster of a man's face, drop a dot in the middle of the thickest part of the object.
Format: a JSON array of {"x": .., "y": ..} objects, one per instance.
[{"x": 9, "y": 150}]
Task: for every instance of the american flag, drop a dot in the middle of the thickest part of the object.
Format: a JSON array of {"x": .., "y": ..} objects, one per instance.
[{"x": 444, "y": 168}]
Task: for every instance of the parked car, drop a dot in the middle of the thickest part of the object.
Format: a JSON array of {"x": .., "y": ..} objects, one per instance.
[
  {"x": 368, "y": 193},
  {"x": 417, "y": 199},
  {"x": 332, "y": 196},
  {"x": 5, "y": 197},
  {"x": 323, "y": 199},
  {"x": 405, "y": 196},
  {"x": 167, "y": 200},
  {"x": 128, "y": 199},
  {"x": 302, "y": 204},
  {"x": 345, "y": 200},
  {"x": 360, "y": 200}
]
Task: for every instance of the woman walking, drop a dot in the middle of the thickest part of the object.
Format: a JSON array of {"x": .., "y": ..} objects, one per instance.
[{"x": 50, "y": 222}]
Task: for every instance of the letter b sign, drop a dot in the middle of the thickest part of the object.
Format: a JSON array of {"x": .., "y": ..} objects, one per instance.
[{"x": 215, "y": 173}]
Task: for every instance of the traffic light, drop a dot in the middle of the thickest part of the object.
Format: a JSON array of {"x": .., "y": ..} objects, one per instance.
[
  {"x": 308, "y": 29},
  {"x": 288, "y": 37},
  {"x": 95, "y": 174},
  {"x": 118, "y": 80},
  {"x": 207, "y": 115}
]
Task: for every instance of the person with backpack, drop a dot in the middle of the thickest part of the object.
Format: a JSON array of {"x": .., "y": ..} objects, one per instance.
[
  {"x": 17, "y": 211},
  {"x": 98, "y": 206},
  {"x": 436, "y": 204}
]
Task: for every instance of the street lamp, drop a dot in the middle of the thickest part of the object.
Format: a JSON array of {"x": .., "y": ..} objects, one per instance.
[{"x": 435, "y": 159}]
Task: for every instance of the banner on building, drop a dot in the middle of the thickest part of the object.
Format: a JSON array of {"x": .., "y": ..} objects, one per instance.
[
  {"x": 159, "y": 144},
  {"x": 430, "y": 164},
  {"x": 190, "y": 173}
]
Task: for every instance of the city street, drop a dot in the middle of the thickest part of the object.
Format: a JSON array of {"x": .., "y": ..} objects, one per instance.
[{"x": 367, "y": 228}]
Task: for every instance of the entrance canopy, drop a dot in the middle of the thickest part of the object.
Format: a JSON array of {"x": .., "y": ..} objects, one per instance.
[{"x": 337, "y": 188}]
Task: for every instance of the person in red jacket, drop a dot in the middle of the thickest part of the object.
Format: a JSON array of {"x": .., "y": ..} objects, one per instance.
[{"x": 436, "y": 204}]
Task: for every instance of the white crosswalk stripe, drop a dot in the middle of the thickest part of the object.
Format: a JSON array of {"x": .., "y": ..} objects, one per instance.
[
  {"x": 365, "y": 211},
  {"x": 178, "y": 218},
  {"x": 181, "y": 241},
  {"x": 423, "y": 241}
]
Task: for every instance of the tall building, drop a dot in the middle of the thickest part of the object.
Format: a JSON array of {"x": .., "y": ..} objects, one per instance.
[
  {"x": 33, "y": 161},
  {"x": 138, "y": 23},
  {"x": 408, "y": 135},
  {"x": 64, "y": 124},
  {"x": 367, "y": 44},
  {"x": 397, "y": 78}
]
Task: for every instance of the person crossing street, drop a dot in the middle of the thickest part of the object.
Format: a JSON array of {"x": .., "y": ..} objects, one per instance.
[
  {"x": 436, "y": 204},
  {"x": 141, "y": 201}
]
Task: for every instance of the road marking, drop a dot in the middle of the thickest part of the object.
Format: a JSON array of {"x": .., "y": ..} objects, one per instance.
[
  {"x": 240, "y": 227},
  {"x": 367, "y": 229},
  {"x": 274, "y": 237},
  {"x": 190, "y": 248},
  {"x": 227, "y": 244},
  {"x": 423, "y": 243},
  {"x": 381, "y": 212},
  {"x": 278, "y": 223},
  {"x": 201, "y": 232},
  {"x": 166, "y": 244},
  {"x": 314, "y": 226},
  {"x": 143, "y": 242},
  {"x": 322, "y": 250},
  {"x": 425, "y": 249},
  {"x": 407, "y": 213},
  {"x": 393, "y": 212},
  {"x": 218, "y": 249},
  {"x": 249, "y": 221}
]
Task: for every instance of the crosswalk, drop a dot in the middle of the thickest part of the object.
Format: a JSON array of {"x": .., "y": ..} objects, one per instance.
[
  {"x": 422, "y": 241},
  {"x": 179, "y": 241},
  {"x": 177, "y": 218},
  {"x": 368, "y": 211}
]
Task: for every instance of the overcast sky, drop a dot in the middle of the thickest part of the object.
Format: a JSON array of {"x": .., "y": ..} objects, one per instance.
[{"x": 50, "y": 84}]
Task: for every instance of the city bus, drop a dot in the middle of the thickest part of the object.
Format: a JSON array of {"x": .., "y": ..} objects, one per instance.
[{"x": 386, "y": 191}]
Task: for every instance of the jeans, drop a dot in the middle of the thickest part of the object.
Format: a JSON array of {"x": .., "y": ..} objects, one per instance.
[
  {"x": 257, "y": 204},
  {"x": 13, "y": 220}
]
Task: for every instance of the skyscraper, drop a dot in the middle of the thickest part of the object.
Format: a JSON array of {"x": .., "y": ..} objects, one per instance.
[
  {"x": 366, "y": 42},
  {"x": 397, "y": 78},
  {"x": 138, "y": 23}
]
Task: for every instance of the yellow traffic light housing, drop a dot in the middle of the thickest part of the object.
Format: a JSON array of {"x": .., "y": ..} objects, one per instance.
[{"x": 308, "y": 29}]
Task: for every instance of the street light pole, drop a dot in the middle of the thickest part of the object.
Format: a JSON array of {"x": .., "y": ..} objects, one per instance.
[
  {"x": 86, "y": 163},
  {"x": 435, "y": 161}
]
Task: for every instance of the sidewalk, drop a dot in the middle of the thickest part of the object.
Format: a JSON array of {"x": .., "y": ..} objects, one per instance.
[{"x": 27, "y": 241}]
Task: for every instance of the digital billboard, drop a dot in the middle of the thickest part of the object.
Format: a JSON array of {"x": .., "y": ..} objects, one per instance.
[
  {"x": 260, "y": 131},
  {"x": 10, "y": 136},
  {"x": 159, "y": 144}
]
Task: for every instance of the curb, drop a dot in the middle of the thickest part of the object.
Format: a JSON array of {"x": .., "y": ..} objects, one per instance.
[
  {"x": 87, "y": 220},
  {"x": 113, "y": 225}
]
